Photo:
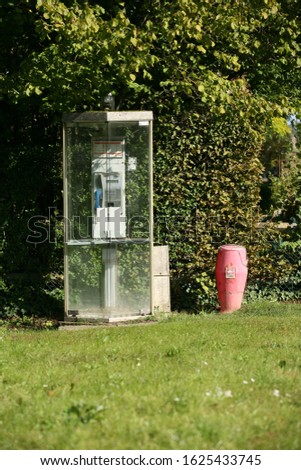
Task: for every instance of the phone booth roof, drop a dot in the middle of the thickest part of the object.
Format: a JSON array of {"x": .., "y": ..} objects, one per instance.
[{"x": 108, "y": 116}]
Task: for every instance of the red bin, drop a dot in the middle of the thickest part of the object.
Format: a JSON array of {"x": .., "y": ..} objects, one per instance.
[{"x": 231, "y": 276}]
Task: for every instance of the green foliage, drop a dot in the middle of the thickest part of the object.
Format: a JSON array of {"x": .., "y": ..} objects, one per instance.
[
  {"x": 85, "y": 51},
  {"x": 31, "y": 297},
  {"x": 17, "y": 321},
  {"x": 31, "y": 188},
  {"x": 214, "y": 73},
  {"x": 279, "y": 275},
  {"x": 202, "y": 200},
  {"x": 277, "y": 147},
  {"x": 84, "y": 56},
  {"x": 285, "y": 191}
]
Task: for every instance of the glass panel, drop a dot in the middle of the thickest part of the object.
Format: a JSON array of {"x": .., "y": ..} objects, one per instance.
[
  {"x": 134, "y": 277},
  {"x": 84, "y": 279},
  {"x": 108, "y": 181},
  {"x": 111, "y": 280},
  {"x": 78, "y": 170},
  {"x": 136, "y": 138}
]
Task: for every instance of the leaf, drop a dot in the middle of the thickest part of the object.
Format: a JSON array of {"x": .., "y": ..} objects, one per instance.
[
  {"x": 274, "y": 9},
  {"x": 201, "y": 49}
]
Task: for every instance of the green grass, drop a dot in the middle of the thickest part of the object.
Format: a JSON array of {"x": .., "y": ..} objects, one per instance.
[{"x": 186, "y": 382}]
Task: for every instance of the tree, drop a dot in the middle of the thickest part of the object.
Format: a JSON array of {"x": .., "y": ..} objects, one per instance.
[
  {"x": 87, "y": 51},
  {"x": 30, "y": 174}
]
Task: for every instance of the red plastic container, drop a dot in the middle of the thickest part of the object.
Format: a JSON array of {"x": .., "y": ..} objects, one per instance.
[{"x": 231, "y": 276}]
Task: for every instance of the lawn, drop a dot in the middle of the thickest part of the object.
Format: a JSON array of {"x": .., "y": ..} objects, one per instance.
[{"x": 183, "y": 382}]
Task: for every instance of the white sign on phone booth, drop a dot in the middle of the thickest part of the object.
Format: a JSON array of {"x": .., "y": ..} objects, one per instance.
[{"x": 108, "y": 199}]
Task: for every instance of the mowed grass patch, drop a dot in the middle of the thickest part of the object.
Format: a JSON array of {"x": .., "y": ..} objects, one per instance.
[{"x": 186, "y": 382}]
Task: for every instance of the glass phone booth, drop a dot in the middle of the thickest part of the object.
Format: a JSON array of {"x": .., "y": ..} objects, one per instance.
[{"x": 108, "y": 214}]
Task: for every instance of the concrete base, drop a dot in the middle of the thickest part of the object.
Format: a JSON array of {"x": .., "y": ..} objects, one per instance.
[
  {"x": 124, "y": 319},
  {"x": 161, "y": 279},
  {"x": 82, "y": 320}
]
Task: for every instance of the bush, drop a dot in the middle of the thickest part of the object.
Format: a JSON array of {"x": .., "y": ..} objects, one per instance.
[{"x": 207, "y": 190}]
